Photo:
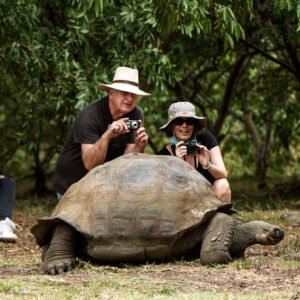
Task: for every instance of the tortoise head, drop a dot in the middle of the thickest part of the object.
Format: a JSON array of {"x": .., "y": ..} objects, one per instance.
[{"x": 267, "y": 234}]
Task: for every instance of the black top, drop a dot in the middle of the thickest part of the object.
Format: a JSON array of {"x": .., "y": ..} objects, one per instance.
[
  {"x": 90, "y": 123},
  {"x": 204, "y": 138}
]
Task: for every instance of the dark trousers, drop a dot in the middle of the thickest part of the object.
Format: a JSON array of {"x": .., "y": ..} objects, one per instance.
[{"x": 7, "y": 197}]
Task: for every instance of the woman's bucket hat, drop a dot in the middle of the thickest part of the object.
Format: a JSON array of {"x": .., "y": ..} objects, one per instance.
[{"x": 183, "y": 110}]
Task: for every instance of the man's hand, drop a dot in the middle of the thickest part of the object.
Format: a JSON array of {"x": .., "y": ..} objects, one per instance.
[
  {"x": 141, "y": 141},
  {"x": 141, "y": 138},
  {"x": 117, "y": 128},
  {"x": 2, "y": 176}
]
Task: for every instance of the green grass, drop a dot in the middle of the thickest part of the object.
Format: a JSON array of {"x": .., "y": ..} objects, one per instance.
[
  {"x": 118, "y": 288},
  {"x": 91, "y": 281}
]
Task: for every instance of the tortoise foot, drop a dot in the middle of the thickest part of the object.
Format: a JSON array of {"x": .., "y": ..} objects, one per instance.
[
  {"x": 60, "y": 255},
  {"x": 59, "y": 266},
  {"x": 215, "y": 257}
]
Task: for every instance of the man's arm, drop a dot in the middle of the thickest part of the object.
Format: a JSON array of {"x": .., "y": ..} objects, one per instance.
[{"x": 94, "y": 154}]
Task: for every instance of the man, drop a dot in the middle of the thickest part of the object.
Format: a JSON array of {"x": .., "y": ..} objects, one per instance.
[{"x": 99, "y": 133}]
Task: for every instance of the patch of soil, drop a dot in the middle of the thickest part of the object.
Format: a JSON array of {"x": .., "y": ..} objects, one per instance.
[{"x": 25, "y": 246}]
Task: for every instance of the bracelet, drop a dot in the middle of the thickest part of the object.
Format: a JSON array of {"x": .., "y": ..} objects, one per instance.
[{"x": 208, "y": 166}]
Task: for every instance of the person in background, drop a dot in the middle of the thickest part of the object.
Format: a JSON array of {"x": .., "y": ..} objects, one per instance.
[
  {"x": 7, "y": 200},
  {"x": 101, "y": 132},
  {"x": 198, "y": 148}
]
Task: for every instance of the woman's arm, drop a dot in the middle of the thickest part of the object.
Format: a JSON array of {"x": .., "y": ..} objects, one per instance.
[
  {"x": 212, "y": 161},
  {"x": 217, "y": 168}
]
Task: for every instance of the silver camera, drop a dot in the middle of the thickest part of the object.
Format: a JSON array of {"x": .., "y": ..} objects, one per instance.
[{"x": 133, "y": 124}]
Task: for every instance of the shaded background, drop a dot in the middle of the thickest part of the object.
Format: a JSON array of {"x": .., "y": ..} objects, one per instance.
[{"x": 237, "y": 61}]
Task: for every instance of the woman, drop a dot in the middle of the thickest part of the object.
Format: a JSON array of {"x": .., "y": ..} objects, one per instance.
[{"x": 199, "y": 149}]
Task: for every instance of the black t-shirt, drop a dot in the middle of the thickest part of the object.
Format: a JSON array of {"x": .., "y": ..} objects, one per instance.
[
  {"x": 204, "y": 138},
  {"x": 90, "y": 123}
]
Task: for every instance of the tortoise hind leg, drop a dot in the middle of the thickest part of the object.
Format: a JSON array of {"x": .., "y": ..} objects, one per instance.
[
  {"x": 61, "y": 255},
  {"x": 217, "y": 239}
]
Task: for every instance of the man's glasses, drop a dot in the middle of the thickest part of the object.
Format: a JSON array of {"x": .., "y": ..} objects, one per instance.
[{"x": 187, "y": 121}]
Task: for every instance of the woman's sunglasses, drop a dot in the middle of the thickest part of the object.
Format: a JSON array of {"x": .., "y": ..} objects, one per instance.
[{"x": 187, "y": 121}]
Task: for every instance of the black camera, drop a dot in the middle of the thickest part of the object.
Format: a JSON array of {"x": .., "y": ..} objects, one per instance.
[
  {"x": 191, "y": 147},
  {"x": 133, "y": 124}
]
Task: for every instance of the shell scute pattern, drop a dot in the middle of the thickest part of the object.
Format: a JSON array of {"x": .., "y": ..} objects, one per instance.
[{"x": 140, "y": 200}]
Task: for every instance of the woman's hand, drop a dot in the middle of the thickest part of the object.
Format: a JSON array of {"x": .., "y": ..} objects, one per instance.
[
  {"x": 180, "y": 151},
  {"x": 203, "y": 155}
]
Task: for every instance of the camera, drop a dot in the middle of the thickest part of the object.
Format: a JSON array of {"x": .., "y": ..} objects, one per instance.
[
  {"x": 191, "y": 148},
  {"x": 133, "y": 124}
]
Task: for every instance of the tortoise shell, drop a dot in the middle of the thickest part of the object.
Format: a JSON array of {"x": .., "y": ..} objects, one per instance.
[{"x": 134, "y": 207}]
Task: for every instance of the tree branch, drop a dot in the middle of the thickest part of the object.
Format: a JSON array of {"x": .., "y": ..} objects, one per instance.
[{"x": 270, "y": 57}]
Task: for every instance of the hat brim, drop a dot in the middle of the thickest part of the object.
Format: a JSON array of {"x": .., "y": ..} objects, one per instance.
[
  {"x": 123, "y": 87},
  {"x": 201, "y": 122}
]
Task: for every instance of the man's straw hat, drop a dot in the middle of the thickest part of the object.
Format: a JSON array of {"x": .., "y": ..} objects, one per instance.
[{"x": 125, "y": 79}]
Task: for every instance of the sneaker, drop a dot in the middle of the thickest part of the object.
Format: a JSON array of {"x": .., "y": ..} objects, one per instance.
[{"x": 7, "y": 228}]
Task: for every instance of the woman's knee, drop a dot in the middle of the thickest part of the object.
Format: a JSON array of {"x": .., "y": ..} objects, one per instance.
[{"x": 222, "y": 189}]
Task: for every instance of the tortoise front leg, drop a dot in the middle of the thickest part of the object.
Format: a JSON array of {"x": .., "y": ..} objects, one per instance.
[
  {"x": 44, "y": 251},
  {"x": 217, "y": 240},
  {"x": 61, "y": 254}
]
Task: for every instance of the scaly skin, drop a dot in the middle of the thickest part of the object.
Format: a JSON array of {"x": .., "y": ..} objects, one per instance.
[
  {"x": 217, "y": 239},
  {"x": 254, "y": 232},
  {"x": 225, "y": 238},
  {"x": 61, "y": 254}
]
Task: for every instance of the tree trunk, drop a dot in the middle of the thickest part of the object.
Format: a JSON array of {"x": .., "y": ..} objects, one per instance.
[
  {"x": 225, "y": 107},
  {"x": 261, "y": 148},
  {"x": 39, "y": 175}
]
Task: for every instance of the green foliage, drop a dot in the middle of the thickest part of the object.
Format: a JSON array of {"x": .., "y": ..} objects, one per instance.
[
  {"x": 225, "y": 19},
  {"x": 53, "y": 54},
  {"x": 281, "y": 6},
  {"x": 298, "y": 15},
  {"x": 86, "y": 6}
]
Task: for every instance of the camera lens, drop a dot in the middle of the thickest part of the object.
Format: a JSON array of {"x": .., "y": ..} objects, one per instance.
[
  {"x": 193, "y": 149},
  {"x": 134, "y": 124}
]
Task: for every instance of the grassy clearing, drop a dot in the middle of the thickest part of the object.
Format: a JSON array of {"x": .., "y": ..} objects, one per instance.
[
  {"x": 267, "y": 273},
  {"x": 116, "y": 286}
]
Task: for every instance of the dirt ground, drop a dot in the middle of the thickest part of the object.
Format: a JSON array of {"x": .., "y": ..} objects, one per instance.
[{"x": 267, "y": 268}]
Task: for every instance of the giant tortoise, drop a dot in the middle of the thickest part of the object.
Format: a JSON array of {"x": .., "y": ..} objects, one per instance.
[{"x": 142, "y": 207}]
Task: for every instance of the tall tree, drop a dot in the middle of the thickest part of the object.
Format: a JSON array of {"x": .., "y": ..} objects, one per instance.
[{"x": 54, "y": 53}]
